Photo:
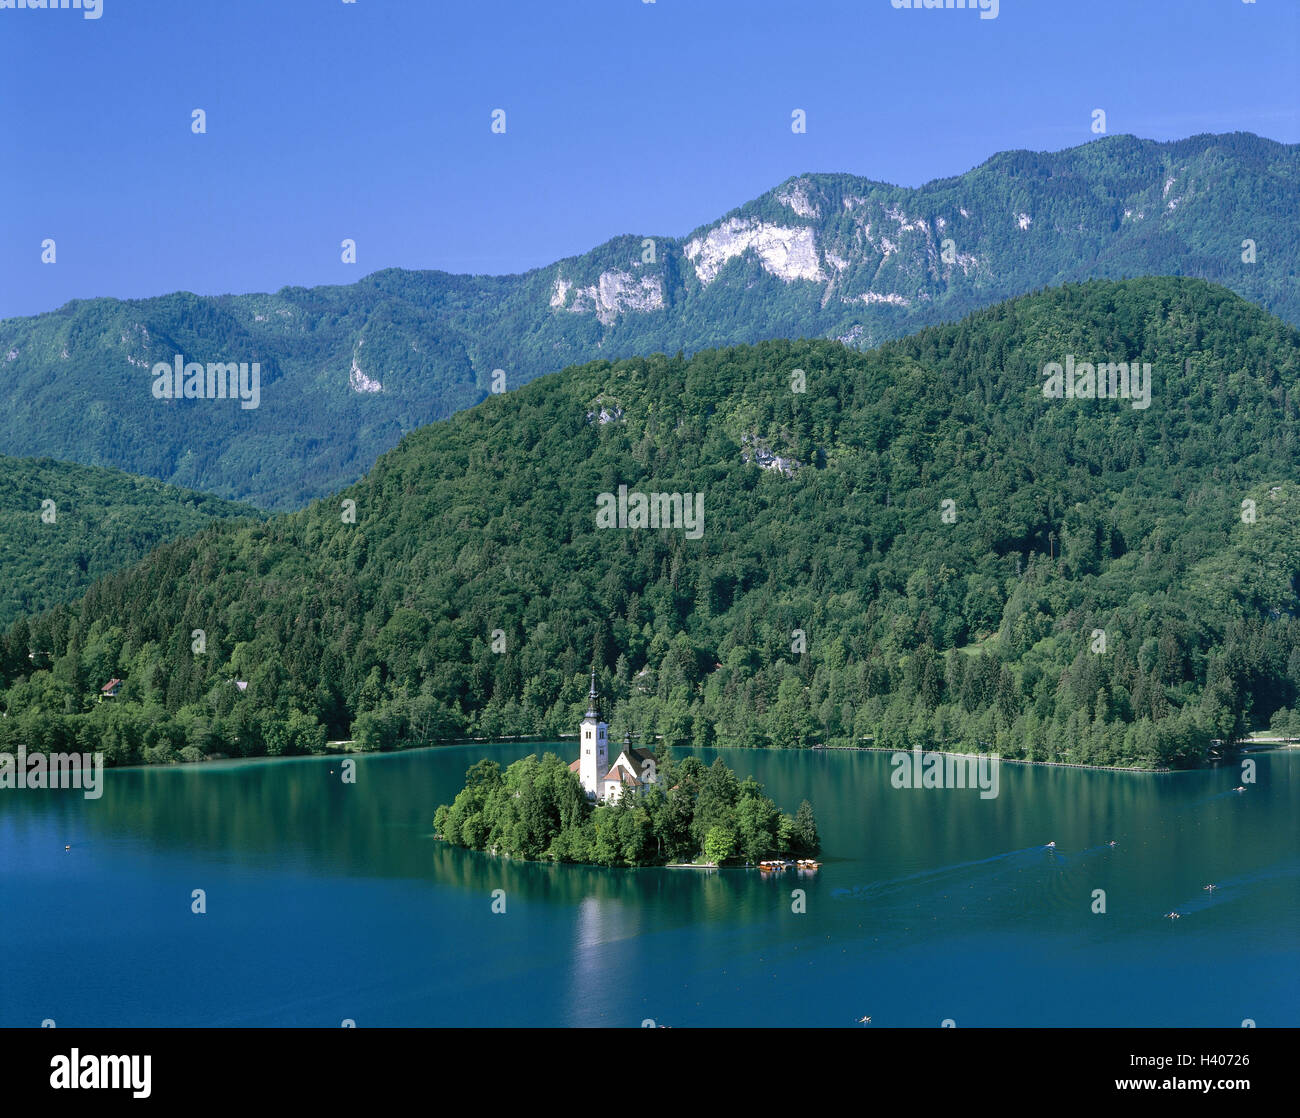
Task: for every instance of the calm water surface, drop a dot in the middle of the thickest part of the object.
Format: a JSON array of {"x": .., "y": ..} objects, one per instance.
[{"x": 328, "y": 901}]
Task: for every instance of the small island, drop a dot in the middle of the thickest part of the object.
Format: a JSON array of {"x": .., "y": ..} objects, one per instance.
[
  {"x": 644, "y": 810},
  {"x": 537, "y": 810}
]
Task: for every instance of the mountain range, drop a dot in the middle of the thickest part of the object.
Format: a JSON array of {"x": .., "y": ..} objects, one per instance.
[{"x": 346, "y": 371}]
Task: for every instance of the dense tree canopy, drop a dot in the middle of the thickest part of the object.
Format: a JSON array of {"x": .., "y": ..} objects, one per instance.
[
  {"x": 536, "y": 810},
  {"x": 957, "y": 562},
  {"x": 62, "y": 526}
]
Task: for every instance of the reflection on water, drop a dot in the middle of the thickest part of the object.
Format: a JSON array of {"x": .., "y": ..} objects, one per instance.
[{"x": 329, "y": 900}]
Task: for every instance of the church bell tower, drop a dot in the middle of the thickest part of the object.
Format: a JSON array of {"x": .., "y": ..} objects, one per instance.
[{"x": 593, "y": 741}]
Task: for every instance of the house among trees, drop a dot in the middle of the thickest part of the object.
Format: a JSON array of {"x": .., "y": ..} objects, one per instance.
[
  {"x": 110, "y": 689},
  {"x": 633, "y": 771}
]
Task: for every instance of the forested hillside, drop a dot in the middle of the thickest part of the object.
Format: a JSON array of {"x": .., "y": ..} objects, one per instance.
[
  {"x": 62, "y": 526},
  {"x": 346, "y": 371},
  {"x": 919, "y": 546}
]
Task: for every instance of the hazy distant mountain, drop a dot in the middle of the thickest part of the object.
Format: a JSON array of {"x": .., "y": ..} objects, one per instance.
[{"x": 346, "y": 371}]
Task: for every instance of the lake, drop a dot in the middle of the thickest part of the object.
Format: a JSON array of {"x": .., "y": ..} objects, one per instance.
[{"x": 328, "y": 901}]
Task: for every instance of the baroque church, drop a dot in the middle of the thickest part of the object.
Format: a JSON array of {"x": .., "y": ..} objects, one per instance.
[{"x": 634, "y": 771}]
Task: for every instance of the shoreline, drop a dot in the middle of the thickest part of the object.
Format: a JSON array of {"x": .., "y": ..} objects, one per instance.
[
  {"x": 793, "y": 867},
  {"x": 344, "y": 748}
]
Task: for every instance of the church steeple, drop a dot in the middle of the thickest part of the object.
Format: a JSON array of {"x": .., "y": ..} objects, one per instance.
[
  {"x": 592, "y": 712},
  {"x": 593, "y": 760}
]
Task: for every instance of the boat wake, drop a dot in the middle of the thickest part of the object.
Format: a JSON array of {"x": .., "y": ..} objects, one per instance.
[
  {"x": 1027, "y": 855},
  {"x": 1234, "y": 888}
]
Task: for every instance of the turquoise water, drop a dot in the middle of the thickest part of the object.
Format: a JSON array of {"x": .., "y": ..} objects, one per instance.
[{"x": 328, "y": 901}]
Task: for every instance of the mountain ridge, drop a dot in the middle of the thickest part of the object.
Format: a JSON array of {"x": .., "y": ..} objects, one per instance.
[{"x": 348, "y": 369}]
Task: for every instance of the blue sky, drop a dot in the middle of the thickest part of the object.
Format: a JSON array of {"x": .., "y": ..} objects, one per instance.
[{"x": 371, "y": 120}]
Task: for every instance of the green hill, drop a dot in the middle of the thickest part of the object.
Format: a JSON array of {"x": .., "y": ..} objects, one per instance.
[
  {"x": 62, "y": 526},
  {"x": 346, "y": 371},
  {"x": 920, "y": 546}
]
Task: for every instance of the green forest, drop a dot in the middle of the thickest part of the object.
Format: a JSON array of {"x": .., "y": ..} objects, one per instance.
[
  {"x": 62, "y": 526},
  {"x": 537, "y": 810},
  {"x": 956, "y": 562}
]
